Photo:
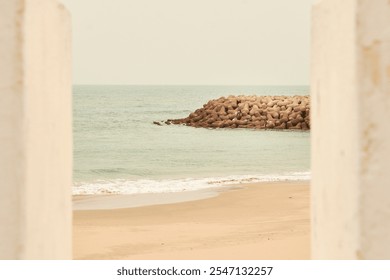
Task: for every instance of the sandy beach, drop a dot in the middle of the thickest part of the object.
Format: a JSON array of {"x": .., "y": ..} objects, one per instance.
[{"x": 253, "y": 221}]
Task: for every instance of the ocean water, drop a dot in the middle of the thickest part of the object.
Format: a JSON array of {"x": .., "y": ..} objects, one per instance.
[{"x": 118, "y": 149}]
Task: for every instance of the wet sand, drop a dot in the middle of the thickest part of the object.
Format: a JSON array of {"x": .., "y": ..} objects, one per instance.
[{"x": 252, "y": 221}]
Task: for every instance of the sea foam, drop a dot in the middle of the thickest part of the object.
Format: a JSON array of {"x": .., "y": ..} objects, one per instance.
[{"x": 122, "y": 186}]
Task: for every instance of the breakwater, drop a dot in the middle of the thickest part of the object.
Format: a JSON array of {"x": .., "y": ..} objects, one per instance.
[{"x": 255, "y": 112}]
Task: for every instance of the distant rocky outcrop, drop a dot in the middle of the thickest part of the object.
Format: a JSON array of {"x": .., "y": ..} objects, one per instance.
[{"x": 255, "y": 112}]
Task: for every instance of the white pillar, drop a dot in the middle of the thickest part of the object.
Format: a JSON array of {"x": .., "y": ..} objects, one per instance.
[
  {"x": 35, "y": 130},
  {"x": 350, "y": 87}
]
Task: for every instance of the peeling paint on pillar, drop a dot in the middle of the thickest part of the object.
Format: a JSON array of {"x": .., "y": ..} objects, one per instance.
[{"x": 372, "y": 62}]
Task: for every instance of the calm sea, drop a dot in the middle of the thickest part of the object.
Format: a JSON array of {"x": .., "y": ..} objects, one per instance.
[{"x": 117, "y": 148}]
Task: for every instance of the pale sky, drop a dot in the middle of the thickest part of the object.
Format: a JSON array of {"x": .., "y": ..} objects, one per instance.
[{"x": 214, "y": 42}]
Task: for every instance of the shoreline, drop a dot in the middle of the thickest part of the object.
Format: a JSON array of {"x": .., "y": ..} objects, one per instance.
[
  {"x": 249, "y": 221},
  {"x": 178, "y": 185},
  {"x": 122, "y": 201}
]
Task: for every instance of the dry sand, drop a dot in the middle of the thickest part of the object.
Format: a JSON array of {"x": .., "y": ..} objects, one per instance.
[{"x": 257, "y": 221}]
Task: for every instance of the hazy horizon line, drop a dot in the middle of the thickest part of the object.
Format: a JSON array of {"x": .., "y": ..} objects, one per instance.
[{"x": 230, "y": 85}]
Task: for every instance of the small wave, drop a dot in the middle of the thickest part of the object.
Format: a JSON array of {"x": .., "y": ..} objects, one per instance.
[
  {"x": 168, "y": 112},
  {"x": 121, "y": 186},
  {"x": 108, "y": 170}
]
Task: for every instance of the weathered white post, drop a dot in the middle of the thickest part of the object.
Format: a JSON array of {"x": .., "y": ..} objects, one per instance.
[
  {"x": 35, "y": 130},
  {"x": 350, "y": 87}
]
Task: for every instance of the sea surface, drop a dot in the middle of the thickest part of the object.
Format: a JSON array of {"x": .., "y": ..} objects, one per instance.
[{"x": 118, "y": 149}]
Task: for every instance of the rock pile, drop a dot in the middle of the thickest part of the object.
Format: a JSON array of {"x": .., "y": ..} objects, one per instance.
[{"x": 256, "y": 112}]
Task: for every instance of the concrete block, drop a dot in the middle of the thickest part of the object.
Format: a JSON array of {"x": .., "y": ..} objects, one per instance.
[
  {"x": 35, "y": 130},
  {"x": 350, "y": 87}
]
